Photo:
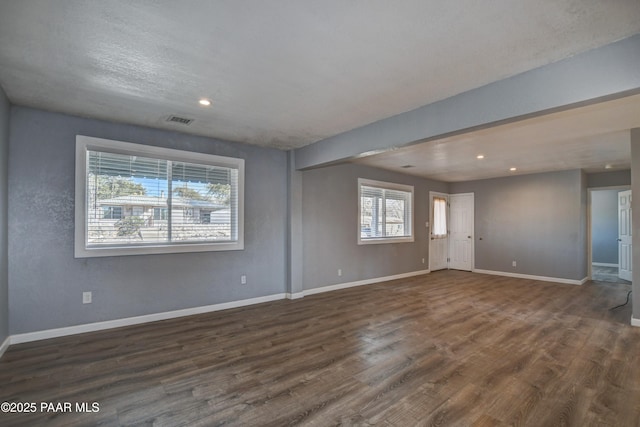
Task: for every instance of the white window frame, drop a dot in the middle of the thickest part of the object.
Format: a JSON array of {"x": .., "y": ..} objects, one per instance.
[
  {"x": 385, "y": 186},
  {"x": 162, "y": 212},
  {"x": 111, "y": 210},
  {"x": 86, "y": 143}
]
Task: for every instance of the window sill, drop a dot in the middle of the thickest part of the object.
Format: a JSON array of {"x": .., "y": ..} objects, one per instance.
[
  {"x": 383, "y": 240},
  {"x": 152, "y": 249}
]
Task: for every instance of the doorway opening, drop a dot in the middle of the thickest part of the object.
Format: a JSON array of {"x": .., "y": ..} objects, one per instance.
[{"x": 610, "y": 245}]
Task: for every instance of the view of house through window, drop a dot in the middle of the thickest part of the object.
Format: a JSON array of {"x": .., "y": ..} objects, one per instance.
[
  {"x": 135, "y": 199},
  {"x": 385, "y": 211},
  {"x": 140, "y": 200}
]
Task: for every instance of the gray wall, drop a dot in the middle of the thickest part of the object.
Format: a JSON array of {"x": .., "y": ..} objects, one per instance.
[
  {"x": 582, "y": 248},
  {"x": 294, "y": 221},
  {"x": 635, "y": 221},
  {"x": 330, "y": 223},
  {"x": 4, "y": 166},
  {"x": 537, "y": 220},
  {"x": 604, "y": 226},
  {"x": 46, "y": 282},
  {"x": 609, "y": 179}
]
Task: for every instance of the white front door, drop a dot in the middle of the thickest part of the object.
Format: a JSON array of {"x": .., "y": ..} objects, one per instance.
[
  {"x": 438, "y": 233},
  {"x": 624, "y": 235},
  {"x": 461, "y": 231}
]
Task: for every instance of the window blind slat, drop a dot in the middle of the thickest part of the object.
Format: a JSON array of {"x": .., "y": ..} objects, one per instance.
[{"x": 129, "y": 204}]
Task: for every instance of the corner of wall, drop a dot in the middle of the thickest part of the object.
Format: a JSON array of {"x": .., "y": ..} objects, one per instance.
[
  {"x": 5, "y": 108},
  {"x": 635, "y": 220}
]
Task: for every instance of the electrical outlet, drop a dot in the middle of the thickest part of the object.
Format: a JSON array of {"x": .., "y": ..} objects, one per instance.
[
  {"x": 87, "y": 297},
  {"x": 339, "y": 272},
  {"x": 243, "y": 279},
  {"x": 513, "y": 263}
]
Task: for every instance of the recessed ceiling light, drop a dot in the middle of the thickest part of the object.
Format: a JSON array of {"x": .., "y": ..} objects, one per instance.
[
  {"x": 513, "y": 169},
  {"x": 608, "y": 166},
  {"x": 204, "y": 102},
  {"x": 480, "y": 156}
]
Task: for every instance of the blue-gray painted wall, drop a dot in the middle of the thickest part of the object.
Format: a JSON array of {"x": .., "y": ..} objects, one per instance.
[
  {"x": 4, "y": 166},
  {"x": 330, "y": 222},
  {"x": 604, "y": 226},
  {"x": 46, "y": 281},
  {"x": 635, "y": 221},
  {"x": 537, "y": 220},
  {"x": 609, "y": 179}
]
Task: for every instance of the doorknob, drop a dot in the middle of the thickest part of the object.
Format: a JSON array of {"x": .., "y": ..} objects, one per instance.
[
  {"x": 468, "y": 237},
  {"x": 619, "y": 240}
]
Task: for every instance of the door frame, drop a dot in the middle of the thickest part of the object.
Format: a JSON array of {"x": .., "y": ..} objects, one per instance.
[
  {"x": 473, "y": 225},
  {"x": 625, "y": 238},
  {"x": 433, "y": 194},
  {"x": 590, "y": 220},
  {"x": 473, "y": 228}
]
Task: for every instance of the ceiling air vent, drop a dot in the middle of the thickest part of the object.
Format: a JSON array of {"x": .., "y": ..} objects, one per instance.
[{"x": 180, "y": 120}]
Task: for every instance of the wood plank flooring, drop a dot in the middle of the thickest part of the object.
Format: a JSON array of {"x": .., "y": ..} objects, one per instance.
[{"x": 446, "y": 349}]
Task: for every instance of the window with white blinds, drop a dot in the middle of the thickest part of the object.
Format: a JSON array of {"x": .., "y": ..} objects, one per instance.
[
  {"x": 136, "y": 199},
  {"x": 386, "y": 212}
]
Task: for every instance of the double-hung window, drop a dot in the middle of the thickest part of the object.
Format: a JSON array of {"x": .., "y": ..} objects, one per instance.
[
  {"x": 386, "y": 212},
  {"x": 136, "y": 199}
]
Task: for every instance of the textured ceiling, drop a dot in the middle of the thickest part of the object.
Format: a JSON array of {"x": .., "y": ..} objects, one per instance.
[{"x": 282, "y": 73}]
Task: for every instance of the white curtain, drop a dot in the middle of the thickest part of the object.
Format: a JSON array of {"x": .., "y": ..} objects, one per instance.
[{"x": 439, "y": 217}]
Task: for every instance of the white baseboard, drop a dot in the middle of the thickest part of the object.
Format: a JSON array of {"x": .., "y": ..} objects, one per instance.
[
  {"x": 5, "y": 345},
  {"x": 362, "y": 282},
  {"x": 128, "y": 321},
  {"x": 295, "y": 295},
  {"x": 604, "y": 264},
  {"x": 635, "y": 322},
  {"x": 532, "y": 277}
]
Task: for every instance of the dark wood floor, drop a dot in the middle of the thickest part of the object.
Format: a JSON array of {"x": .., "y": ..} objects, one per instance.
[
  {"x": 606, "y": 274},
  {"x": 446, "y": 349}
]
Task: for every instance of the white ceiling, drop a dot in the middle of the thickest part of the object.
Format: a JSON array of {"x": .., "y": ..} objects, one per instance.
[{"x": 284, "y": 73}]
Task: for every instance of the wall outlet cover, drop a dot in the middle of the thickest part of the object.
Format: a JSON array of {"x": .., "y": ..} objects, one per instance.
[{"x": 87, "y": 297}]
